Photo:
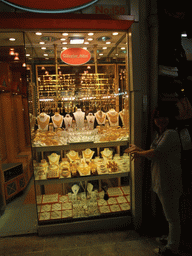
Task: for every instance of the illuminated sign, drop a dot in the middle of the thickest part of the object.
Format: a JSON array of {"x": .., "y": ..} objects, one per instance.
[
  {"x": 75, "y": 56},
  {"x": 49, "y": 6}
]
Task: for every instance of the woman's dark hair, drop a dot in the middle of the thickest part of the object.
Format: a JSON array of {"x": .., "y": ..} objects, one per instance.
[{"x": 165, "y": 109}]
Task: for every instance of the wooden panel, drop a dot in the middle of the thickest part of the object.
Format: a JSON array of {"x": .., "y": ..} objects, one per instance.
[
  {"x": 3, "y": 148},
  {"x": 19, "y": 119},
  {"x": 26, "y": 121},
  {"x": 9, "y": 126},
  {"x": 5, "y": 76}
]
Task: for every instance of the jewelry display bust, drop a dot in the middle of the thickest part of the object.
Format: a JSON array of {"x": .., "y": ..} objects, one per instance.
[
  {"x": 54, "y": 159},
  {"x": 113, "y": 117},
  {"x": 57, "y": 120},
  {"x": 79, "y": 118},
  {"x": 124, "y": 115},
  {"x": 68, "y": 121},
  {"x": 88, "y": 154},
  {"x": 107, "y": 154},
  {"x": 73, "y": 155},
  {"x": 100, "y": 117},
  {"x": 90, "y": 121},
  {"x": 43, "y": 121}
]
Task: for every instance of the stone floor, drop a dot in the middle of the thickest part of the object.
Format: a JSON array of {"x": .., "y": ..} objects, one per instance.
[{"x": 111, "y": 243}]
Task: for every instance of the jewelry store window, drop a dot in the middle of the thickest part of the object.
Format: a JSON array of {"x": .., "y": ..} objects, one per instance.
[{"x": 80, "y": 128}]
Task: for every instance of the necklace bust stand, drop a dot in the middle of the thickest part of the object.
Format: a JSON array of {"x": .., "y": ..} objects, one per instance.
[
  {"x": 100, "y": 117},
  {"x": 54, "y": 159},
  {"x": 43, "y": 121},
  {"x": 57, "y": 120},
  {"x": 73, "y": 156},
  {"x": 88, "y": 154},
  {"x": 79, "y": 118},
  {"x": 123, "y": 118},
  {"x": 113, "y": 117},
  {"x": 68, "y": 121},
  {"x": 90, "y": 121},
  {"x": 107, "y": 154}
]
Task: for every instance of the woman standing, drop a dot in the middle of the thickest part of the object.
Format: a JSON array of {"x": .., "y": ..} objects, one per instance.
[{"x": 166, "y": 172}]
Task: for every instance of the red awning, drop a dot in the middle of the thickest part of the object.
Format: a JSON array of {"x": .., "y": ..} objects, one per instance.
[{"x": 64, "y": 21}]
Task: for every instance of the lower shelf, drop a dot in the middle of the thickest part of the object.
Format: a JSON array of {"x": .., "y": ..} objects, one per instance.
[{"x": 119, "y": 222}]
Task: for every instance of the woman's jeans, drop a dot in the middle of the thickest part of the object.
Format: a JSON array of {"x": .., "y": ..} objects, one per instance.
[{"x": 170, "y": 204}]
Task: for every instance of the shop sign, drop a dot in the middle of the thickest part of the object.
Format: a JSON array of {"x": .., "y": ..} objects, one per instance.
[
  {"x": 49, "y": 6},
  {"x": 111, "y": 9},
  {"x": 75, "y": 56}
]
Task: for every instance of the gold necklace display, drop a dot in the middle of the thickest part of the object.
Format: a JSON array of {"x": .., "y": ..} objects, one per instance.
[
  {"x": 54, "y": 159},
  {"x": 42, "y": 124},
  {"x": 72, "y": 155},
  {"x": 88, "y": 153},
  {"x": 113, "y": 117},
  {"x": 57, "y": 122},
  {"x": 101, "y": 118}
]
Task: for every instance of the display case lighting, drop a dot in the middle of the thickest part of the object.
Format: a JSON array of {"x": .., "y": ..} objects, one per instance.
[
  {"x": 12, "y": 39},
  {"x": 11, "y": 51},
  {"x": 38, "y": 33},
  {"x": 76, "y": 40}
]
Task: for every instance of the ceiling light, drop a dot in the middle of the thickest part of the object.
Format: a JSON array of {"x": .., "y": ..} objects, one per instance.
[
  {"x": 88, "y": 67},
  {"x": 43, "y": 48},
  {"x": 122, "y": 48},
  {"x": 38, "y": 33},
  {"x": 76, "y": 40},
  {"x": 11, "y": 51},
  {"x": 86, "y": 43},
  {"x": 108, "y": 42},
  {"x": 104, "y": 48},
  {"x": 85, "y": 48},
  {"x": 27, "y": 55},
  {"x": 16, "y": 56},
  {"x": 11, "y": 39},
  {"x": 24, "y": 65},
  {"x": 65, "y": 34},
  {"x": 90, "y": 39},
  {"x": 64, "y": 43},
  {"x": 64, "y": 48},
  {"x": 41, "y": 42},
  {"x": 90, "y": 34},
  {"x": 115, "y": 33},
  {"x": 63, "y": 39},
  {"x": 45, "y": 54},
  {"x": 100, "y": 54},
  {"x": 183, "y": 35}
]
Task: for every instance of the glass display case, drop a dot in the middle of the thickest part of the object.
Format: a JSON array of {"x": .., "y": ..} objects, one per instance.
[{"x": 80, "y": 168}]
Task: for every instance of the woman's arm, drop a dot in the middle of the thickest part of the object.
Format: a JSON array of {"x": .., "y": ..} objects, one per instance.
[
  {"x": 145, "y": 153},
  {"x": 137, "y": 152}
]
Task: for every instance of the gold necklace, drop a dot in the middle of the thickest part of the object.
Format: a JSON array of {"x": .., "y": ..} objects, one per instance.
[
  {"x": 100, "y": 119},
  {"x": 43, "y": 124},
  {"x": 75, "y": 157},
  {"x": 52, "y": 162},
  {"x": 88, "y": 155},
  {"x": 58, "y": 123},
  {"x": 113, "y": 118}
]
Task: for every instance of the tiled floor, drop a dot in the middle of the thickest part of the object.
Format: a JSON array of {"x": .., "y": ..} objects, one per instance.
[
  {"x": 113, "y": 243},
  {"x": 19, "y": 218}
]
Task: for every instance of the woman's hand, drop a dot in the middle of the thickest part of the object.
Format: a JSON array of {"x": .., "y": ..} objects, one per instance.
[
  {"x": 133, "y": 151},
  {"x": 132, "y": 148}
]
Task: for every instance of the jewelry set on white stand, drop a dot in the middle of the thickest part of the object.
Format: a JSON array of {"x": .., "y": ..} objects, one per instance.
[{"x": 43, "y": 121}]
